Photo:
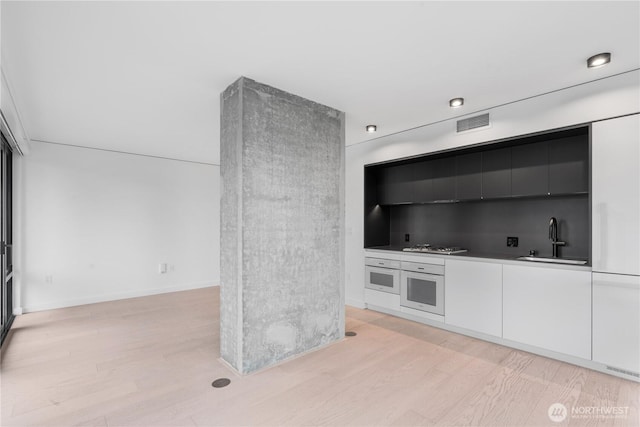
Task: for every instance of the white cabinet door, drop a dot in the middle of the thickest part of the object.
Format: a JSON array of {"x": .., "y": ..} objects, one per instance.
[
  {"x": 382, "y": 299},
  {"x": 615, "y": 195},
  {"x": 616, "y": 321},
  {"x": 473, "y": 296},
  {"x": 548, "y": 308}
]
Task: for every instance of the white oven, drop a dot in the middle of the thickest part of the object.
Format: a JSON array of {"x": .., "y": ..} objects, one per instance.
[
  {"x": 422, "y": 287},
  {"x": 382, "y": 275}
]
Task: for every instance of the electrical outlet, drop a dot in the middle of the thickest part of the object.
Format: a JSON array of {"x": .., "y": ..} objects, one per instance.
[
  {"x": 512, "y": 242},
  {"x": 407, "y": 237},
  {"x": 162, "y": 267}
]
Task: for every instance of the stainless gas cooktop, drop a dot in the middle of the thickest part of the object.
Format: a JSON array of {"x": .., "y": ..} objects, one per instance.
[{"x": 428, "y": 249}]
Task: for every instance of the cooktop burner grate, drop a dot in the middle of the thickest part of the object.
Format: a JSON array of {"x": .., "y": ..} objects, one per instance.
[{"x": 427, "y": 248}]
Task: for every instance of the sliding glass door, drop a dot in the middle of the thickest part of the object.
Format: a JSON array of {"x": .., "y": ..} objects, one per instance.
[{"x": 6, "y": 239}]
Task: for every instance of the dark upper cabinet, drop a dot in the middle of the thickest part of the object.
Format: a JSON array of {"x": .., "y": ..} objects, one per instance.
[
  {"x": 558, "y": 165},
  {"x": 422, "y": 182},
  {"x": 530, "y": 169},
  {"x": 569, "y": 165},
  {"x": 443, "y": 178},
  {"x": 396, "y": 185},
  {"x": 469, "y": 176},
  {"x": 496, "y": 173}
]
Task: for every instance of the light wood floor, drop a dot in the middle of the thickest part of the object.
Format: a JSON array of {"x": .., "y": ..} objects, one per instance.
[{"x": 150, "y": 361}]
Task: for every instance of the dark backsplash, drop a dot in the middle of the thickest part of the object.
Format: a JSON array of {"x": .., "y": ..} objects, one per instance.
[{"x": 483, "y": 226}]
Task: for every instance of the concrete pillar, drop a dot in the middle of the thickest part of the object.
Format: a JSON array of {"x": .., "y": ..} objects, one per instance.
[{"x": 282, "y": 225}]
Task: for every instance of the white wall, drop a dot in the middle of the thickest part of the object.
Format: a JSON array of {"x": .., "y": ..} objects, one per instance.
[
  {"x": 94, "y": 225},
  {"x": 611, "y": 97}
]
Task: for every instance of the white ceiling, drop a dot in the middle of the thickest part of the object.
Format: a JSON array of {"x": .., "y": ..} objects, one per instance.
[{"x": 145, "y": 77}]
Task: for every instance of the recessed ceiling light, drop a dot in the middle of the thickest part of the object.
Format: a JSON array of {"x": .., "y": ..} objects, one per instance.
[
  {"x": 599, "y": 60},
  {"x": 456, "y": 102},
  {"x": 371, "y": 128}
]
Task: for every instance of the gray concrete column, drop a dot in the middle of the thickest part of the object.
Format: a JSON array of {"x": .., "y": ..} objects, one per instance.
[{"x": 282, "y": 225}]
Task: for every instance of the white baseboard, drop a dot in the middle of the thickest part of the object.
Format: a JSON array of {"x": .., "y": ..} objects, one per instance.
[
  {"x": 355, "y": 303},
  {"x": 115, "y": 296},
  {"x": 17, "y": 311}
]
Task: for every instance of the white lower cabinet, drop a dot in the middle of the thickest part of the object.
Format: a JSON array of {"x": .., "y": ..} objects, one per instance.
[
  {"x": 473, "y": 296},
  {"x": 616, "y": 321},
  {"x": 548, "y": 308},
  {"x": 382, "y": 299}
]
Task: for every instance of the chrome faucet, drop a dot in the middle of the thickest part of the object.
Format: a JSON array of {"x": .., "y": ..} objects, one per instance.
[{"x": 553, "y": 236}]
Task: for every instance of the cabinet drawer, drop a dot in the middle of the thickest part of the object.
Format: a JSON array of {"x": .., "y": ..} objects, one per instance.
[
  {"x": 379, "y": 262},
  {"x": 382, "y": 299},
  {"x": 423, "y": 268}
]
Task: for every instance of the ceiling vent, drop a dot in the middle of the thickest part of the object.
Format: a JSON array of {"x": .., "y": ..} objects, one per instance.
[{"x": 476, "y": 122}]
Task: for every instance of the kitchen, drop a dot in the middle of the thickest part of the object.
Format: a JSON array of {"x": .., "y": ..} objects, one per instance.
[
  {"x": 528, "y": 241},
  {"x": 118, "y": 204}
]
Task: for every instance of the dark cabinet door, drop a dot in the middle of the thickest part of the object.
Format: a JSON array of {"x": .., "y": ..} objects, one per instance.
[
  {"x": 422, "y": 182},
  {"x": 569, "y": 165},
  {"x": 443, "y": 178},
  {"x": 396, "y": 185},
  {"x": 496, "y": 173},
  {"x": 469, "y": 176},
  {"x": 530, "y": 169}
]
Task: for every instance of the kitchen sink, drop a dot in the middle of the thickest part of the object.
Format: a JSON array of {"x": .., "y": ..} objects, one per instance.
[{"x": 552, "y": 260}]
